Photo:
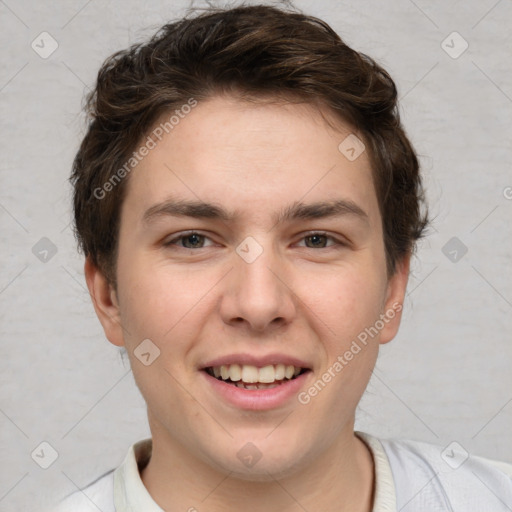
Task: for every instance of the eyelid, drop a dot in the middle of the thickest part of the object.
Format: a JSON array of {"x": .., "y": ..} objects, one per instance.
[
  {"x": 183, "y": 234},
  {"x": 338, "y": 240}
]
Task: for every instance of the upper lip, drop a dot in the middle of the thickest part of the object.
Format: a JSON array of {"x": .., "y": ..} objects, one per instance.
[{"x": 259, "y": 361}]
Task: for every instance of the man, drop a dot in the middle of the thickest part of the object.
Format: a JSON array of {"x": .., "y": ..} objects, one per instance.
[{"x": 248, "y": 202}]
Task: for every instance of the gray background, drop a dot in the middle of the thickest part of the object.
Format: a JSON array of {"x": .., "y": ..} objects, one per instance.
[{"x": 447, "y": 376}]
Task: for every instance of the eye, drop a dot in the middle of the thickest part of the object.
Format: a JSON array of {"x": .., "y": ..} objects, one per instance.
[
  {"x": 195, "y": 240},
  {"x": 318, "y": 240},
  {"x": 191, "y": 240}
]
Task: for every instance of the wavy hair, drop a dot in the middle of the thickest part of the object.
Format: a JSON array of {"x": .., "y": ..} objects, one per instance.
[{"x": 258, "y": 53}]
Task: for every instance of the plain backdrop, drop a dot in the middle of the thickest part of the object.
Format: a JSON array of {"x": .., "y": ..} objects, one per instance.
[{"x": 446, "y": 377}]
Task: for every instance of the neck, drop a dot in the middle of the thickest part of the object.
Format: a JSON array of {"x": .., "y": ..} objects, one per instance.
[{"x": 341, "y": 478}]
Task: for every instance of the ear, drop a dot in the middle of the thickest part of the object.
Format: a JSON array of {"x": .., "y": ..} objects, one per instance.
[
  {"x": 104, "y": 299},
  {"x": 395, "y": 296}
]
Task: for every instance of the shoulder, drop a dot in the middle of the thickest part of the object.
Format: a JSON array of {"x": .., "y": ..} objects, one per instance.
[
  {"x": 113, "y": 486},
  {"x": 98, "y": 495},
  {"x": 427, "y": 474}
]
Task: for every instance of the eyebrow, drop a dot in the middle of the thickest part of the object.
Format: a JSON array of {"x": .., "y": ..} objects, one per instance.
[{"x": 296, "y": 211}]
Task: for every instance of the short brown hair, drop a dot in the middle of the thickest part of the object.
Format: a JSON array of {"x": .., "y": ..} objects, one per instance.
[{"x": 255, "y": 52}]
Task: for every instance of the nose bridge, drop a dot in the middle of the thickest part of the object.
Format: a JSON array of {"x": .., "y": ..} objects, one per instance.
[
  {"x": 257, "y": 293},
  {"x": 259, "y": 277}
]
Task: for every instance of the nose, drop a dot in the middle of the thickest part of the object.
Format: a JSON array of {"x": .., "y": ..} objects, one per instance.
[{"x": 258, "y": 294}]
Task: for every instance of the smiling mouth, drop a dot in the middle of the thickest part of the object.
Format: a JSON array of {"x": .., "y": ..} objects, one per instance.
[{"x": 252, "y": 377}]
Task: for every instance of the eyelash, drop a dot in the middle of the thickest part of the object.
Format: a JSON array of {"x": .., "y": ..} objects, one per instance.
[{"x": 307, "y": 235}]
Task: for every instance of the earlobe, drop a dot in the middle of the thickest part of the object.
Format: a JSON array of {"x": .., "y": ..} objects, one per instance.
[
  {"x": 397, "y": 285},
  {"x": 104, "y": 299}
]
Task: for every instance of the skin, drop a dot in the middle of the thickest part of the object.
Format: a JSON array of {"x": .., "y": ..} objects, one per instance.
[{"x": 309, "y": 300}]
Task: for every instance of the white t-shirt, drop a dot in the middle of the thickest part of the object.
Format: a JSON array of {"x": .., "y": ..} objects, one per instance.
[{"x": 410, "y": 476}]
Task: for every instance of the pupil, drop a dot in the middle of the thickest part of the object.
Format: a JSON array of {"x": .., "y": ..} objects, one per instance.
[
  {"x": 315, "y": 239},
  {"x": 193, "y": 239}
]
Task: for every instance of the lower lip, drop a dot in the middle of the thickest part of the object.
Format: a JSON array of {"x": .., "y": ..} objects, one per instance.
[{"x": 257, "y": 399}]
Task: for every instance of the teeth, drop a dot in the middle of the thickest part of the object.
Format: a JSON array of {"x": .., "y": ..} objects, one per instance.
[
  {"x": 280, "y": 370},
  {"x": 267, "y": 374},
  {"x": 235, "y": 372},
  {"x": 249, "y": 374},
  {"x": 259, "y": 385}
]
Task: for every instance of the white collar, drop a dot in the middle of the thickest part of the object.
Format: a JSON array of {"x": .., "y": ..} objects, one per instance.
[{"x": 384, "y": 495}]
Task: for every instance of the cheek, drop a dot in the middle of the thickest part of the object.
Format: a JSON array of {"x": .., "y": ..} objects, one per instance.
[
  {"x": 345, "y": 300},
  {"x": 155, "y": 303},
  {"x": 166, "y": 309},
  {"x": 345, "y": 305},
  {"x": 341, "y": 382}
]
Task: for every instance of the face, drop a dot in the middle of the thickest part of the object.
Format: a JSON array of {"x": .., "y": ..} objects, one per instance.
[{"x": 248, "y": 240}]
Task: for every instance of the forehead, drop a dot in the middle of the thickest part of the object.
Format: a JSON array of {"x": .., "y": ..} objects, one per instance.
[{"x": 252, "y": 158}]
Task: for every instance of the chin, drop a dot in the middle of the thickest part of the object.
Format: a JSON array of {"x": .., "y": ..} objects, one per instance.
[{"x": 254, "y": 465}]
